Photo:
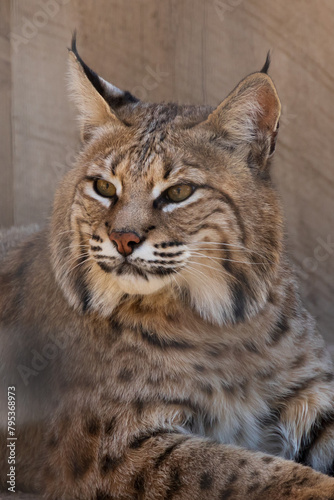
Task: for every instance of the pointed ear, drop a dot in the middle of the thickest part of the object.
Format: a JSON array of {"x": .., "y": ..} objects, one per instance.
[
  {"x": 250, "y": 115},
  {"x": 97, "y": 100}
]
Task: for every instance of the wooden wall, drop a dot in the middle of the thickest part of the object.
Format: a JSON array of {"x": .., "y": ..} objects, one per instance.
[{"x": 186, "y": 50}]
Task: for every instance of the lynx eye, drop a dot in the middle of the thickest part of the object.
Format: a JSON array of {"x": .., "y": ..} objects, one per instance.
[
  {"x": 179, "y": 192},
  {"x": 104, "y": 188}
]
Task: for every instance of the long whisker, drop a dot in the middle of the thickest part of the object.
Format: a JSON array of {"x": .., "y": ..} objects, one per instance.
[
  {"x": 229, "y": 260},
  {"x": 177, "y": 284},
  {"x": 195, "y": 272},
  {"x": 64, "y": 232},
  {"x": 205, "y": 265},
  {"x": 234, "y": 250},
  {"x": 205, "y": 256},
  {"x": 74, "y": 258},
  {"x": 81, "y": 263},
  {"x": 75, "y": 246},
  {"x": 182, "y": 276},
  {"x": 234, "y": 247},
  {"x": 230, "y": 276}
]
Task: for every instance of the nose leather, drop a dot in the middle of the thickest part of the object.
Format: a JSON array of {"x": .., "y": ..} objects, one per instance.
[{"x": 124, "y": 241}]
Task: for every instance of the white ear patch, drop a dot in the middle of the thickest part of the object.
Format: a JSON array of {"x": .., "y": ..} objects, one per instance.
[{"x": 111, "y": 89}]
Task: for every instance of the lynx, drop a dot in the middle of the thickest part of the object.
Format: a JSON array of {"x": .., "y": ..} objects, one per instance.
[{"x": 152, "y": 336}]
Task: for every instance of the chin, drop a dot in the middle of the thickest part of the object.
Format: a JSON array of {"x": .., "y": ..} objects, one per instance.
[{"x": 136, "y": 285}]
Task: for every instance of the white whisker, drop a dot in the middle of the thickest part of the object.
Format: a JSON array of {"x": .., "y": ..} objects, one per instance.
[{"x": 228, "y": 260}]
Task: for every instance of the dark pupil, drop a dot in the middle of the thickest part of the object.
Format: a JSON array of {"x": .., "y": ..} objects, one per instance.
[{"x": 178, "y": 190}]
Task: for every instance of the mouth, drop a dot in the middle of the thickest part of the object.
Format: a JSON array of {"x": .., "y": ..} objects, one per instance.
[
  {"x": 135, "y": 280},
  {"x": 127, "y": 268}
]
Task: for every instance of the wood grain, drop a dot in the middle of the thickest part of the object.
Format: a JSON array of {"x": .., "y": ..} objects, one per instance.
[
  {"x": 6, "y": 198},
  {"x": 189, "y": 51}
]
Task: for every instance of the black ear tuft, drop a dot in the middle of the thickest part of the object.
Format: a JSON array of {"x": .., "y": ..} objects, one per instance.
[
  {"x": 74, "y": 43},
  {"x": 91, "y": 75},
  {"x": 266, "y": 64},
  {"x": 115, "y": 100}
]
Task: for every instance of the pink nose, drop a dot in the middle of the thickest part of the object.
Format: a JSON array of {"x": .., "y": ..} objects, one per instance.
[{"x": 124, "y": 242}]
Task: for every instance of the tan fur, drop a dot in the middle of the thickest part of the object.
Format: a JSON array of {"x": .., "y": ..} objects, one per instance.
[{"x": 183, "y": 374}]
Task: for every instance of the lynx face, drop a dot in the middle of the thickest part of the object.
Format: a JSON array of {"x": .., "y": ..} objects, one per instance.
[{"x": 170, "y": 198}]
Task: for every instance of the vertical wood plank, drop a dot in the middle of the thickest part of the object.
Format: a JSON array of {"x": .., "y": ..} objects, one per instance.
[
  {"x": 6, "y": 167},
  {"x": 45, "y": 131}
]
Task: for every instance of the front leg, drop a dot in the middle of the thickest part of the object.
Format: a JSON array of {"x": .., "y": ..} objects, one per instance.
[
  {"x": 103, "y": 460},
  {"x": 317, "y": 446},
  {"x": 307, "y": 423}
]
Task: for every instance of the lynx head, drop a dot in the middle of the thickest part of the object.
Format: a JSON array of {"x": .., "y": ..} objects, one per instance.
[{"x": 169, "y": 199}]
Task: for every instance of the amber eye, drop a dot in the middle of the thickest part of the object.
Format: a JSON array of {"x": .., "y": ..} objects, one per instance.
[
  {"x": 104, "y": 188},
  {"x": 180, "y": 192}
]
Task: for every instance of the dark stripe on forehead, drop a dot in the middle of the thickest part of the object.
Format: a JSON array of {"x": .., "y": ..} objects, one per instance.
[
  {"x": 115, "y": 161},
  {"x": 152, "y": 134},
  {"x": 169, "y": 164},
  {"x": 168, "y": 167}
]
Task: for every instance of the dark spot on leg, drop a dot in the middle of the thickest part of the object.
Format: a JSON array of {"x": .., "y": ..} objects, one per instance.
[
  {"x": 110, "y": 426},
  {"x": 93, "y": 426},
  {"x": 125, "y": 375},
  {"x": 139, "y": 483},
  {"x": 81, "y": 463},
  {"x": 101, "y": 495},
  {"x": 267, "y": 460},
  {"x": 232, "y": 479},
  {"x": 174, "y": 483},
  {"x": 205, "y": 482},
  {"x": 168, "y": 451},
  {"x": 226, "y": 494},
  {"x": 109, "y": 463},
  {"x": 138, "y": 441},
  {"x": 253, "y": 487},
  {"x": 139, "y": 406},
  {"x": 242, "y": 462},
  {"x": 199, "y": 368}
]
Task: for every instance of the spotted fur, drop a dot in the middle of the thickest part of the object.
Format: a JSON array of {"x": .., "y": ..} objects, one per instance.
[{"x": 188, "y": 369}]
